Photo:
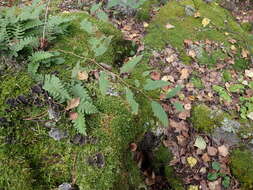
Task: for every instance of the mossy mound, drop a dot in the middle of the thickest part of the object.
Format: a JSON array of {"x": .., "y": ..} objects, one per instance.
[
  {"x": 204, "y": 119},
  {"x": 242, "y": 168},
  {"x": 221, "y": 28},
  {"x": 44, "y": 163}
]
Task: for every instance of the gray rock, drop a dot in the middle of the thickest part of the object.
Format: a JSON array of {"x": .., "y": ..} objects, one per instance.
[
  {"x": 230, "y": 125},
  {"x": 220, "y": 136},
  {"x": 57, "y": 134},
  {"x": 189, "y": 10},
  {"x": 65, "y": 186}
]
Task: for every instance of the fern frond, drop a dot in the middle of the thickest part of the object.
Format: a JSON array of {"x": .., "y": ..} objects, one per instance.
[
  {"x": 80, "y": 124},
  {"x": 40, "y": 56},
  {"x": 79, "y": 91},
  {"x": 87, "y": 107},
  {"x": 18, "y": 31},
  {"x": 55, "y": 88},
  {"x": 21, "y": 44},
  {"x": 32, "y": 24}
]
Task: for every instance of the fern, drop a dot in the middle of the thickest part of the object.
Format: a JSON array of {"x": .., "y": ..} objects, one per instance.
[
  {"x": 80, "y": 124},
  {"x": 86, "y": 107},
  {"x": 79, "y": 91},
  {"x": 54, "y": 86},
  {"x": 160, "y": 113},
  {"x": 40, "y": 56}
]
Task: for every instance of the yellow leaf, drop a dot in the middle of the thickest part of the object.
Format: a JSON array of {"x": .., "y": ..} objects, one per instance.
[
  {"x": 205, "y": 22},
  {"x": 73, "y": 103},
  {"x": 233, "y": 48},
  {"x": 245, "y": 53},
  {"x": 226, "y": 33},
  {"x": 145, "y": 24},
  {"x": 192, "y": 161},
  {"x": 193, "y": 187}
]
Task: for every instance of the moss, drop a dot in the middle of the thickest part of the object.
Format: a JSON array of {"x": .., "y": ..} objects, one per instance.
[
  {"x": 226, "y": 76},
  {"x": 188, "y": 27},
  {"x": 144, "y": 12},
  {"x": 241, "y": 169},
  {"x": 204, "y": 119},
  {"x": 197, "y": 82},
  {"x": 173, "y": 180},
  {"x": 247, "y": 26}
]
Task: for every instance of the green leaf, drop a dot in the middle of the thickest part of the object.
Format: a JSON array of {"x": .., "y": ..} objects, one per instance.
[
  {"x": 236, "y": 88},
  {"x": 102, "y": 16},
  {"x": 88, "y": 26},
  {"x": 137, "y": 83},
  {"x": 112, "y": 3},
  {"x": 179, "y": 107},
  {"x": 216, "y": 166},
  {"x": 226, "y": 182},
  {"x": 80, "y": 124},
  {"x": 155, "y": 84},
  {"x": 173, "y": 92},
  {"x": 145, "y": 73},
  {"x": 95, "y": 7},
  {"x": 200, "y": 143},
  {"x": 130, "y": 99},
  {"x": 160, "y": 113},
  {"x": 212, "y": 176},
  {"x": 129, "y": 66},
  {"x": 222, "y": 93},
  {"x": 103, "y": 82}
]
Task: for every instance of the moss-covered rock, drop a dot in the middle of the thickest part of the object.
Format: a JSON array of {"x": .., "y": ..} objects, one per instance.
[
  {"x": 45, "y": 163},
  {"x": 242, "y": 168},
  {"x": 191, "y": 28}
]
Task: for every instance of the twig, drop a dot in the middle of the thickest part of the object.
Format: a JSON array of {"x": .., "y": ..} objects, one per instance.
[
  {"x": 44, "y": 113},
  {"x": 116, "y": 75},
  {"x": 46, "y": 18}
]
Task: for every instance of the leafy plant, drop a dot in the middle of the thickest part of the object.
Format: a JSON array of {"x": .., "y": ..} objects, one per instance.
[
  {"x": 22, "y": 29},
  {"x": 75, "y": 95},
  {"x": 215, "y": 175},
  {"x": 222, "y": 93}
]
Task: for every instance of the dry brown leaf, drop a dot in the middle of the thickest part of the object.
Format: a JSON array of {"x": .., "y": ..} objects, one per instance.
[
  {"x": 197, "y": 14},
  {"x": 192, "y": 53},
  {"x": 168, "y": 78},
  {"x": 249, "y": 73},
  {"x": 232, "y": 41},
  {"x": 179, "y": 126},
  {"x": 215, "y": 185},
  {"x": 233, "y": 48},
  {"x": 184, "y": 74},
  {"x": 155, "y": 75},
  {"x": 205, "y": 157},
  {"x": 245, "y": 53},
  {"x": 73, "y": 103},
  {"x": 223, "y": 150},
  {"x": 184, "y": 115},
  {"x": 82, "y": 75},
  {"x": 212, "y": 151},
  {"x": 169, "y": 26},
  {"x": 188, "y": 106},
  {"x": 73, "y": 115}
]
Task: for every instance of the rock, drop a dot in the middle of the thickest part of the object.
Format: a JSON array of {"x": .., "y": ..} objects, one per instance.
[
  {"x": 97, "y": 160},
  {"x": 57, "y": 134},
  {"x": 65, "y": 186},
  {"x": 220, "y": 136},
  {"x": 189, "y": 10}
]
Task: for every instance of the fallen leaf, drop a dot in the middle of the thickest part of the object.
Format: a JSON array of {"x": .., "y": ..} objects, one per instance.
[
  {"x": 245, "y": 53},
  {"x": 232, "y": 41},
  {"x": 192, "y": 53},
  {"x": 188, "y": 106},
  {"x": 155, "y": 75},
  {"x": 193, "y": 187},
  {"x": 212, "y": 151},
  {"x": 184, "y": 115},
  {"x": 223, "y": 150},
  {"x": 73, "y": 115},
  {"x": 192, "y": 161},
  {"x": 250, "y": 115},
  {"x": 205, "y": 22},
  {"x": 215, "y": 185},
  {"x": 226, "y": 33},
  {"x": 168, "y": 78},
  {"x": 145, "y": 24},
  {"x": 249, "y": 73},
  {"x": 200, "y": 143},
  {"x": 178, "y": 126},
  {"x": 73, "y": 103},
  {"x": 197, "y": 14},
  {"x": 184, "y": 74},
  {"x": 205, "y": 157},
  {"x": 82, "y": 75},
  {"x": 169, "y": 26},
  {"x": 233, "y": 48},
  {"x": 170, "y": 59},
  {"x": 188, "y": 42}
]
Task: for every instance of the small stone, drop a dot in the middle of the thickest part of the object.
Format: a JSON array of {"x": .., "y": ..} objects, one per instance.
[
  {"x": 189, "y": 10},
  {"x": 212, "y": 151},
  {"x": 57, "y": 134},
  {"x": 65, "y": 186}
]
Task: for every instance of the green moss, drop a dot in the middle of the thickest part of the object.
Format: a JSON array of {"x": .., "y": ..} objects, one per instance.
[
  {"x": 188, "y": 27},
  {"x": 174, "y": 181},
  {"x": 241, "y": 169},
  {"x": 197, "y": 82},
  {"x": 144, "y": 12},
  {"x": 226, "y": 76},
  {"x": 204, "y": 119}
]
